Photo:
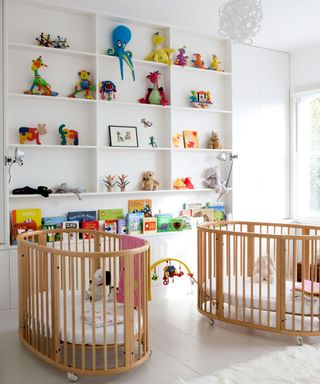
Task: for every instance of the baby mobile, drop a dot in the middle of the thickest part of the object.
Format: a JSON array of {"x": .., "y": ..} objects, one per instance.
[{"x": 170, "y": 271}]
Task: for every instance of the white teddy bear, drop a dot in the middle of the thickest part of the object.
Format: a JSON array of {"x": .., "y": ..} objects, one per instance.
[
  {"x": 263, "y": 275},
  {"x": 98, "y": 285}
]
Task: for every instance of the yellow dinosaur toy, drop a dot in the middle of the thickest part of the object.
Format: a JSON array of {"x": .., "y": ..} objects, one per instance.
[{"x": 160, "y": 54}]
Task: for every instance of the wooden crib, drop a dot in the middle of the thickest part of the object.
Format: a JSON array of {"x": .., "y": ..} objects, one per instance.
[
  {"x": 72, "y": 320},
  {"x": 260, "y": 275}
]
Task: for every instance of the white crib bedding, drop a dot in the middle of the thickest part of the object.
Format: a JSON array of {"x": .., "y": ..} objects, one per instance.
[
  {"x": 66, "y": 333},
  {"x": 234, "y": 294}
]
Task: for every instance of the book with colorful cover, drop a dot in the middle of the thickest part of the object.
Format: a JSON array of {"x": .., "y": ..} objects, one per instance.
[
  {"x": 135, "y": 223},
  {"x": 81, "y": 216},
  {"x": 149, "y": 225},
  {"x": 110, "y": 226},
  {"x": 51, "y": 236},
  {"x": 177, "y": 224},
  {"x": 218, "y": 212},
  {"x": 122, "y": 228},
  {"x": 110, "y": 214},
  {"x": 187, "y": 222},
  {"x": 92, "y": 225},
  {"x": 136, "y": 206},
  {"x": 52, "y": 222},
  {"x": 70, "y": 225},
  {"x": 206, "y": 213},
  {"x": 164, "y": 222},
  {"x": 24, "y": 220}
]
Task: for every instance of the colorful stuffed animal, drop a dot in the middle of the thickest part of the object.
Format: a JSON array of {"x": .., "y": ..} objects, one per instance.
[
  {"x": 84, "y": 85},
  {"x": 181, "y": 58},
  {"x": 31, "y": 134},
  {"x": 214, "y": 141},
  {"x": 160, "y": 54},
  {"x": 187, "y": 182},
  {"x": 68, "y": 136},
  {"x": 215, "y": 64},
  {"x": 198, "y": 62},
  {"x": 148, "y": 182},
  {"x": 267, "y": 269},
  {"x": 178, "y": 184},
  {"x": 213, "y": 180},
  {"x": 155, "y": 95},
  {"x": 107, "y": 87},
  {"x": 98, "y": 285}
]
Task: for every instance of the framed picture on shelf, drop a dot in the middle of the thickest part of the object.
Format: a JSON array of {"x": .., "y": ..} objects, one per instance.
[
  {"x": 190, "y": 139},
  {"x": 123, "y": 136}
]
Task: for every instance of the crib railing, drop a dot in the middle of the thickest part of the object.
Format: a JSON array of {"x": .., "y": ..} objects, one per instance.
[
  {"x": 99, "y": 330},
  {"x": 248, "y": 275}
]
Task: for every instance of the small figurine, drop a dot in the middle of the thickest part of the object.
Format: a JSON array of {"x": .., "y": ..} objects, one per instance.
[
  {"x": 187, "y": 182},
  {"x": 178, "y": 184},
  {"x": 84, "y": 85},
  {"x": 149, "y": 183},
  {"x": 153, "y": 142},
  {"x": 177, "y": 140},
  {"x": 214, "y": 141},
  {"x": 146, "y": 123},
  {"x": 121, "y": 36},
  {"x": 108, "y": 88},
  {"x": 68, "y": 136},
  {"x": 159, "y": 54},
  {"x": 155, "y": 95},
  {"x": 154, "y": 276},
  {"x": 109, "y": 182},
  {"x": 181, "y": 58},
  {"x": 122, "y": 182},
  {"x": 30, "y": 134},
  {"x": 43, "y": 88},
  {"x": 44, "y": 40},
  {"x": 60, "y": 43},
  {"x": 215, "y": 64},
  {"x": 200, "y": 99},
  {"x": 65, "y": 188},
  {"x": 198, "y": 62}
]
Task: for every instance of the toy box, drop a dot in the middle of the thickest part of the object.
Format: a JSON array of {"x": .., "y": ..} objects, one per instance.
[
  {"x": 24, "y": 220},
  {"x": 149, "y": 225},
  {"x": 164, "y": 222},
  {"x": 135, "y": 223},
  {"x": 110, "y": 214},
  {"x": 110, "y": 226}
]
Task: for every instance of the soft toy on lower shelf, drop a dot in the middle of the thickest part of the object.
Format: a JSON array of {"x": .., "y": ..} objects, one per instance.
[
  {"x": 148, "y": 182},
  {"x": 98, "y": 285}
]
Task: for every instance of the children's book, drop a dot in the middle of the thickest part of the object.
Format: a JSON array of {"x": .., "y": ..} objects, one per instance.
[
  {"x": 187, "y": 222},
  {"x": 92, "y": 225},
  {"x": 218, "y": 212},
  {"x": 51, "y": 236},
  {"x": 190, "y": 139},
  {"x": 145, "y": 206},
  {"x": 110, "y": 226},
  {"x": 164, "y": 222},
  {"x": 54, "y": 220},
  {"x": 135, "y": 223},
  {"x": 149, "y": 225},
  {"x": 24, "y": 220},
  {"x": 111, "y": 214},
  {"x": 206, "y": 213},
  {"x": 176, "y": 224},
  {"x": 70, "y": 225},
  {"x": 82, "y": 216},
  {"x": 122, "y": 227}
]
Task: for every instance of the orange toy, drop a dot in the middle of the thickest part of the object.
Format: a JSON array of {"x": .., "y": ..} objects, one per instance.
[{"x": 198, "y": 62}]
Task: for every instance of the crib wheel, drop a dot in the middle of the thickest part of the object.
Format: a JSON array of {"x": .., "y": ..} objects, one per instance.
[
  {"x": 72, "y": 377},
  {"x": 299, "y": 340},
  {"x": 211, "y": 322}
]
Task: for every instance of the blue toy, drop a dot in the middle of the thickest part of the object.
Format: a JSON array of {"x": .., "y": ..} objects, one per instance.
[
  {"x": 121, "y": 36},
  {"x": 107, "y": 87}
]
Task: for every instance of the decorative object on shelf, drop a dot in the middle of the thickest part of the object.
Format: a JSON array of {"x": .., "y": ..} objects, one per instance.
[
  {"x": 149, "y": 183},
  {"x": 160, "y": 54},
  {"x": 107, "y": 87},
  {"x": 60, "y": 43},
  {"x": 197, "y": 61},
  {"x": 43, "y": 88},
  {"x": 187, "y": 182},
  {"x": 177, "y": 141},
  {"x": 121, "y": 36},
  {"x": 224, "y": 157},
  {"x": 215, "y": 64},
  {"x": 214, "y": 141},
  {"x": 109, "y": 182},
  {"x": 200, "y": 99},
  {"x": 178, "y": 184},
  {"x": 213, "y": 180},
  {"x": 155, "y": 95},
  {"x": 240, "y": 20},
  {"x": 68, "y": 136},
  {"x": 41, "y": 190},
  {"x": 84, "y": 85},
  {"x": 122, "y": 182},
  {"x": 31, "y": 134},
  {"x": 65, "y": 188},
  {"x": 181, "y": 58},
  {"x": 17, "y": 158},
  {"x": 123, "y": 136},
  {"x": 190, "y": 139},
  {"x": 152, "y": 142},
  {"x": 44, "y": 40},
  {"x": 146, "y": 123}
]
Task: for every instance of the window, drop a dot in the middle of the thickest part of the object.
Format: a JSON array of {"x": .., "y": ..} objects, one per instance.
[{"x": 306, "y": 157}]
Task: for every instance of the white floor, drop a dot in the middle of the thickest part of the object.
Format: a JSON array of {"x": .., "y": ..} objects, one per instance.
[{"x": 183, "y": 344}]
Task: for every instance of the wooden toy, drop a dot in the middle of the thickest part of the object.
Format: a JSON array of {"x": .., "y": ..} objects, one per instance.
[
  {"x": 84, "y": 85},
  {"x": 153, "y": 142},
  {"x": 200, "y": 99},
  {"x": 198, "y": 62},
  {"x": 121, "y": 36},
  {"x": 215, "y": 64},
  {"x": 44, "y": 40},
  {"x": 155, "y": 95},
  {"x": 31, "y": 134},
  {"x": 109, "y": 182},
  {"x": 68, "y": 136},
  {"x": 181, "y": 58},
  {"x": 60, "y": 42},
  {"x": 122, "y": 182},
  {"x": 160, "y": 54},
  {"x": 107, "y": 87},
  {"x": 43, "y": 88}
]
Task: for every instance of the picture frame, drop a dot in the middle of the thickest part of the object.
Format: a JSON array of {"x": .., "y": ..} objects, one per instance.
[
  {"x": 123, "y": 136},
  {"x": 190, "y": 139}
]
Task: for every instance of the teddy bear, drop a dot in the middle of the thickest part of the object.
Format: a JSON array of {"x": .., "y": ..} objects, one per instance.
[
  {"x": 263, "y": 274},
  {"x": 148, "y": 182},
  {"x": 213, "y": 180},
  {"x": 98, "y": 285},
  {"x": 214, "y": 141}
]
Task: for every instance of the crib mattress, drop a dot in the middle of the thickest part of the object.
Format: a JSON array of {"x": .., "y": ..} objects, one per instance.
[
  {"x": 66, "y": 333},
  {"x": 266, "y": 299}
]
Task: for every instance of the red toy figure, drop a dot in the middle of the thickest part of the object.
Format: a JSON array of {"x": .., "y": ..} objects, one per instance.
[
  {"x": 155, "y": 95},
  {"x": 188, "y": 183}
]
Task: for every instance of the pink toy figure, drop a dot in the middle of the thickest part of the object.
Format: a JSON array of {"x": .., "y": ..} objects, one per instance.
[
  {"x": 155, "y": 95},
  {"x": 30, "y": 134},
  {"x": 181, "y": 58}
]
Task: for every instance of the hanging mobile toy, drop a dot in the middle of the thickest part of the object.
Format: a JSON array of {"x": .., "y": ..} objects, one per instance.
[
  {"x": 108, "y": 88},
  {"x": 155, "y": 276},
  {"x": 121, "y": 36}
]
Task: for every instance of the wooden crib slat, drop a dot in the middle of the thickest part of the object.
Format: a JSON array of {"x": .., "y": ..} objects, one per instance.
[
  {"x": 115, "y": 330},
  {"x": 73, "y": 318},
  {"x": 104, "y": 298},
  {"x": 140, "y": 281},
  {"x": 93, "y": 313},
  {"x": 269, "y": 280},
  {"x": 243, "y": 273},
  {"x": 64, "y": 295},
  {"x": 37, "y": 300},
  {"x": 294, "y": 278},
  {"x": 33, "y": 329},
  {"x": 83, "y": 332},
  {"x": 229, "y": 275},
  {"x": 260, "y": 279},
  {"x": 235, "y": 248}
]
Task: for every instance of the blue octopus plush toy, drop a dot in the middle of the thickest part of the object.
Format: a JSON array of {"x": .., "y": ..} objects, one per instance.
[{"x": 121, "y": 36}]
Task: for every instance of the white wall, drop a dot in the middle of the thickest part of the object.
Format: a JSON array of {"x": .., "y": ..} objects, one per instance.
[
  {"x": 260, "y": 133},
  {"x": 305, "y": 66}
]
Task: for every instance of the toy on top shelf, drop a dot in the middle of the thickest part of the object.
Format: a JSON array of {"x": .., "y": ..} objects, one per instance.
[
  {"x": 198, "y": 62},
  {"x": 188, "y": 183},
  {"x": 60, "y": 43},
  {"x": 183, "y": 183},
  {"x": 214, "y": 141},
  {"x": 213, "y": 179},
  {"x": 122, "y": 182},
  {"x": 30, "y": 134},
  {"x": 44, "y": 40},
  {"x": 155, "y": 95},
  {"x": 181, "y": 58},
  {"x": 121, "y": 36},
  {"x": 200, "y": 99},
  {"x": 84, "y": 85},
  {"x": 153, "y": 142},
  {"x": 215, "y": 64},
  {"x": 109, "y": 182},
  {"x": 68, "y": 136},
  {"x": 107, "y": 87},
  {"x": 160, "y": 54},
  {"x": 177, "y": 141},
  {"x": 65, "y": 188},
  {"x": 43, "y": 88},
  {"x": 149, "y": 183},
  {"x": 41, "y": 190}
]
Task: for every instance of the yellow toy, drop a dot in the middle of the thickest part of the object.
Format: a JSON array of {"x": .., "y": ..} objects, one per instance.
[
  {"x": 179, "y": 184},
  {"x": 177, "y": 141},
  {"x": 159, "y": 54},
  {"x": 215, "y": 64}
]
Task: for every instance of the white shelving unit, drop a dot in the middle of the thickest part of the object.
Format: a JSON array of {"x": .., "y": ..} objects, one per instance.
[{"x": 89, "y": 35}]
